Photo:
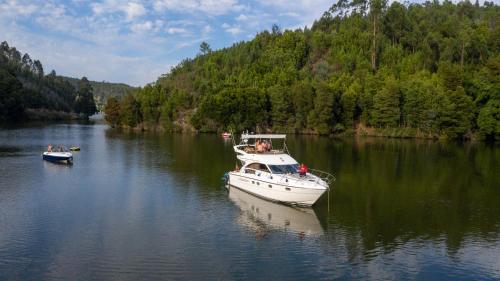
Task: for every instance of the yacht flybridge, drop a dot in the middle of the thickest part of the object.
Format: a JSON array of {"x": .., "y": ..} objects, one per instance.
[{"x": 272, "y": 174}]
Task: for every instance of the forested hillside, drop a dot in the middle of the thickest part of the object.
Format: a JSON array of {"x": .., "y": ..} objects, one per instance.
[
  {"x": 428, "y": 70},
  {"x": 103, "y": 90},
  {"x": 24, "y": 88}
]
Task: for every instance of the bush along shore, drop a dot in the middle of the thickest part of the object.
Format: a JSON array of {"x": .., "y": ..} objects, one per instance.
[{"x": 429, "y": 70}]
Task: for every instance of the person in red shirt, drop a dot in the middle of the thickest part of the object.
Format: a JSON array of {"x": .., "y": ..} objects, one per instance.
[{"x": 302, "y": 170}]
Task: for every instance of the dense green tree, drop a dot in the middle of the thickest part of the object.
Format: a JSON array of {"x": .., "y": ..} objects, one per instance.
[
  {"x": 386, "y": 104},
  {"x": 489, "y": 120},
  {"x": 281, "y": 107},
  {"x": 130, "y": 111},
  {"x": 462, "y": 112},
  {"x": 417, "y": 95},
  {"x": 302, "y": 98},
  {"x": 85, "y": 103},
  {"x": 205, "y": 48},
  {"x": 112, "y": 111},
  {"x": 11, "y": 108},
  {"x": 321, "y": 118},
  {"x": 349, "y": 102}
]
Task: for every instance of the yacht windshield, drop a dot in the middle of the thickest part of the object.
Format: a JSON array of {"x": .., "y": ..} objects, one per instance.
[{"x": 284, "y": 169}]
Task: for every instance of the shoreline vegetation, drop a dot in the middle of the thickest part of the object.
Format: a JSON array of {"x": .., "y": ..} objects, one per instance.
[
  {"x": 429, "y": 70},
  {"x": 28, "y": 94},
  {"x": 361, "y": 130}
]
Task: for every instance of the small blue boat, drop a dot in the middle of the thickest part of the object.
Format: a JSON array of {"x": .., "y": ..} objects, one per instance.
[{"x": 58, "y": 157}]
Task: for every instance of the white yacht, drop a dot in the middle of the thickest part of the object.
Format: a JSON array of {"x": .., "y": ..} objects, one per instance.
[{"x": 273, "y": 174}]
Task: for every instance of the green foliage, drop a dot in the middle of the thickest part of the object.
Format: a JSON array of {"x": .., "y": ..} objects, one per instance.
[
  {"x": 489, "y": 120},
  {"x": 205, "y": 48},
  {"x": 11, "y": 108},
  {"x": 239, "y": 108},
  {"x": 130, "y": 111},
  {"x": 281, "y": 107},
  {"x": 112, "y": 111},
  {"x": 103, "y": 90},
  {"x": 386, "y": 104},
  {"x": 25, "y": 86},
  {"x": 321, "y": 117},
  {"x": 417, "y": 96},
  {"x": 430, "y": 69},
  {"x": 84, "y": 102},
  {"x": 349, "y": 102}
]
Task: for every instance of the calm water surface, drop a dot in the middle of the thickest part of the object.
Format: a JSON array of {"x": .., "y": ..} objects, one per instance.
[{"x": 151, "y": 207}]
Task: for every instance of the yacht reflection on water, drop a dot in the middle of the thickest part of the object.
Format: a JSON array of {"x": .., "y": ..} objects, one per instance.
[{"x": 264, "y": 216}]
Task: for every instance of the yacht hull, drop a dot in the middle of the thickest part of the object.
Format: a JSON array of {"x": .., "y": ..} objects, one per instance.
[{"x": 287, "y": 194}]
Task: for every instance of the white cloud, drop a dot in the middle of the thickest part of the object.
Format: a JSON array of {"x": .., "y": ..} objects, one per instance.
[
  {"x": 242, "y": 17},
  {"x": 17, "y": 8},
  {"x": 147, "y": 26},
  {"x": 213, "y": 7},
  {"x": 176, "y": 30},
  {"x": 207, "y": 29},
  {"x": 133, "y": 10},
  {"x": 235, "y": 30},
  {"x": 144, "y": 26},
  {"x": 289, "y": 14}
]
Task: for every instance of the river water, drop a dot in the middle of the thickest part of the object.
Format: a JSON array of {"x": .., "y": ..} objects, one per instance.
[{"x": 152, "y": 207}]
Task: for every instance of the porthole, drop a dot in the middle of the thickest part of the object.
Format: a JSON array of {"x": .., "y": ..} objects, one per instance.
[
  {"x": 258, "y": 183},
  {"x": 287, "y": 189},
  {"x": 270, "y": 186},
  {"x": 253, "y": 182}
]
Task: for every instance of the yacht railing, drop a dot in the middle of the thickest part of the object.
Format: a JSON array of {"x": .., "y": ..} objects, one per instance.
[
  {"x": 320, "y": 176},
  {"x": 326, "y": 177}
]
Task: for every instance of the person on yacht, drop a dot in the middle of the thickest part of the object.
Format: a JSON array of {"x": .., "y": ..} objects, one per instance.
[
  {"x": 49, "y": 148},
  {"x": 259, "y": 146},
  {"x": 302, "y": 170},
  {"x": 267, "y": 146}
]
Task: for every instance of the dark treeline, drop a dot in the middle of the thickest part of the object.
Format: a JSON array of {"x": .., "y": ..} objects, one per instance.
[
  {"x": 103, "y": 90},
  {"x": 428, "y": 70},
  {"x": 24, "y": 86}
]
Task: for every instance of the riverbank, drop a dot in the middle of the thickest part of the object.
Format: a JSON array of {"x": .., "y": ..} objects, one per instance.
[
  {"x": 40, "y": 117},
  {"x": 51, "y": 115},
  {"x": 361, "y": 130}
]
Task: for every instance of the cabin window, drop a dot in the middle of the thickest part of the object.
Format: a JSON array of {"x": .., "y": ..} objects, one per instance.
[
  {"x": 258, "y": 167},
  {"x": 249, "y": 171},
  {"x": 284, "y": 169}
]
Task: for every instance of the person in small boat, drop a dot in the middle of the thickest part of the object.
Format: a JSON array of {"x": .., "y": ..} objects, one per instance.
[
  {"x": 302, "y": 170},
  {"x": 49, "y": 148}
]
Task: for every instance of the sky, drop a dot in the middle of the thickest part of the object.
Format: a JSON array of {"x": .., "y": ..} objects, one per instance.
[{"x": 135, "y": 41}]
